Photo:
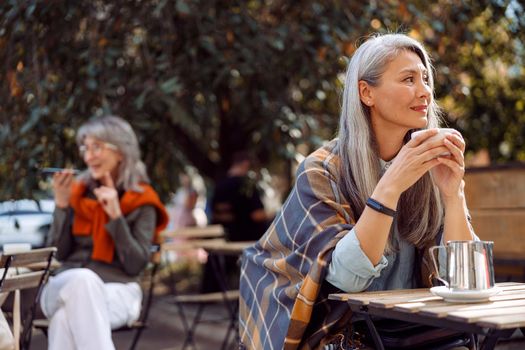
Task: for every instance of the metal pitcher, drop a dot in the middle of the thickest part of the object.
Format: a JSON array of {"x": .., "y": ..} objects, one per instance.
[{"x": 469, "y": 265}]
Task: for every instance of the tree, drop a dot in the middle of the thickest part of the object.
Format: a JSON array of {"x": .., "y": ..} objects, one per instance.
[{"x": 200, "y": 79}]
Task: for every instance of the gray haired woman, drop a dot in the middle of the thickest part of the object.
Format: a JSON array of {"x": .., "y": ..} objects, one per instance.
[
  {"x": 364, "y": 207},
  {"x": 103, "y": 226}
]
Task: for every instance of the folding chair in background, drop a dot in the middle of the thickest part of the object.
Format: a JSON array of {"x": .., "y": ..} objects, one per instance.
[
  {"x": 229, "y": 300},
  {"x": 148, "y": 286},
  {"x": 226, "y": 299},
  {"x": 148, "y": 280},
  {"x": 31, "y": 271}
]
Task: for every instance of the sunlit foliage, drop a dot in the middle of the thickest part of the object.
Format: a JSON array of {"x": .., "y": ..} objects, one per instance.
[{"x": 201, "y": 79}]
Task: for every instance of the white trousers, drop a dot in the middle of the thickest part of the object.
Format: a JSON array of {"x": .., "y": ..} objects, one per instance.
[{"x": 83, "y": 309}]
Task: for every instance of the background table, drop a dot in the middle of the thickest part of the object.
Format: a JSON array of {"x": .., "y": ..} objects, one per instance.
[
  {"x": 195, "y": 232},
  {"x": 498, "y": 317},
  {"x": 218, "y": 250}
]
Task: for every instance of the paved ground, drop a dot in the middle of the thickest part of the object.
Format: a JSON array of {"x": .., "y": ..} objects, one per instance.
[{"x": 166, "y": 332}]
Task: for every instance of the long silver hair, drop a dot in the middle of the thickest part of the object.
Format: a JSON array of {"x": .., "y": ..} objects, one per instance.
[
  {"x": 118, "y": 132},
  {"x": 420, "y": 211}
]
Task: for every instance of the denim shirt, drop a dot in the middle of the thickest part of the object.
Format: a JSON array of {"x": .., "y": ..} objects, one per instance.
[{"x": 352, "y": 271}]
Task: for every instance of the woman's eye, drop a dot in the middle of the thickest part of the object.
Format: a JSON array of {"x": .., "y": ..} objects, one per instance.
[{"x": 409, "y": 79}]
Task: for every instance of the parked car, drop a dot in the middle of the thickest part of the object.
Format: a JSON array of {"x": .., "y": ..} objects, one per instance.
[{"x": 25, "y": 221}]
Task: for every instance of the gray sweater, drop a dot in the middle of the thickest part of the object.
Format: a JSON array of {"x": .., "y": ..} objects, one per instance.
[{"x": 132, "y": 235}]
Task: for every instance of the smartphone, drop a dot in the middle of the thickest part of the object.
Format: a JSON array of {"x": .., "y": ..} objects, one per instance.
[{"x": 51, "y": 171}]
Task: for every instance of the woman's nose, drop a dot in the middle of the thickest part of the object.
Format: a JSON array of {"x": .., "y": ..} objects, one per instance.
[
  {"x": 424, "y": 90},
  {"x": 88, "y": 156}
]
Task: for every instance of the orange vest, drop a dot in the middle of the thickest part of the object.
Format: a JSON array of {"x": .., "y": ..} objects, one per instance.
[{"x": 90, "y": 218}]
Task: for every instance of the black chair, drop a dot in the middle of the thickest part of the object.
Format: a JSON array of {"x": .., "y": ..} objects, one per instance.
[
  {"x": 226, "y": 300},
  {"x": 148, "y": 286},
  {"x": 229, "y": 299},
  {"x": 31, "y": 272},
  {"x": 148, "y": 281}
]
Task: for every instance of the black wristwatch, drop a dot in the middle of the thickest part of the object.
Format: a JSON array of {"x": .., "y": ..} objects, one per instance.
[{"x": 372, "y": 203}]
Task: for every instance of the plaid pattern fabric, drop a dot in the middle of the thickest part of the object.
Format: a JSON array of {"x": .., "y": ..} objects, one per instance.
[{"x": 283, "y": 302}]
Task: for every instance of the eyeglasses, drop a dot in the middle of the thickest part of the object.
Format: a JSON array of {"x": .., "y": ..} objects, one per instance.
[{"x": 96, "y": 148}]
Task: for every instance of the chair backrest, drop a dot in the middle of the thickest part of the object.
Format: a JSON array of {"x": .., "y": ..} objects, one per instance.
[
  {"x": 36, "y": 262},
  {"x": 27, "y": 258},
  {"x": 32, "y": 270}
]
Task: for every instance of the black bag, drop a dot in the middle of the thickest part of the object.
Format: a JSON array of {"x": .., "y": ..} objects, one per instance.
[{"x": 397, "y": 334}]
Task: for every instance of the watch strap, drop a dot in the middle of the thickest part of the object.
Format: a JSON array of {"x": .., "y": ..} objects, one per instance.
[{"x": 377, "y": 206}]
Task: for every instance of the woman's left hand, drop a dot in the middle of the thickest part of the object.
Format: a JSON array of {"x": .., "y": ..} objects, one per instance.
[
  {"x": 107, "y": 196},
  {"x": 448, "y": 175}
]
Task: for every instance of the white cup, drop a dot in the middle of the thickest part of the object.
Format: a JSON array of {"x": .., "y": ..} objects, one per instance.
[
  {"x": 14, "y": 248},
  {"x": 442, "y": 133}
]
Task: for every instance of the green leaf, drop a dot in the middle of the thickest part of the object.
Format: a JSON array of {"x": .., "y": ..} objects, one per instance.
[
  {"x": 277, "y": 44},
  {"x": 91, "y": 84},
  {"x": 30, "y": 10},
  {"x": 139, "y": 101},
  {"x": 92, "y": 69},
  {"x": 171, "y": 85},
  {"x": 158, "y": 10},
  {"x": 182, "y": 7},
  {"x": 36, "y": 114},
  {"x": 70, "y": 103}
]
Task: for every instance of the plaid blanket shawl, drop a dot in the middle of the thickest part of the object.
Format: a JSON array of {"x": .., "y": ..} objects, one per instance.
[{"x": 283, "y": 302}]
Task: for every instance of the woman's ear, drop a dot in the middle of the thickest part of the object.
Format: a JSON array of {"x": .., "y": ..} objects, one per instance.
[{"x": 365, "y": 93}]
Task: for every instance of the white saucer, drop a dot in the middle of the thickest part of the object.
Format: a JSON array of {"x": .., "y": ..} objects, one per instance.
[{"x": 470, "y": 296}]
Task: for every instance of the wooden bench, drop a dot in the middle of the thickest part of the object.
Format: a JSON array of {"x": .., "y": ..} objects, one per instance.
[{"x": 496, "y": 199}]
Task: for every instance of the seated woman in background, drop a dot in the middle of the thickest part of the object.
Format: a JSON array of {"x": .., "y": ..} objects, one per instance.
[
  {"x": 103, "y": 226},
  {"x": 364, "y": 208}
]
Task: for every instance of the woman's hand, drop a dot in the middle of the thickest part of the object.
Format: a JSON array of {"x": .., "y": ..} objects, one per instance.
[
  {"x": 61, "y": 184},
  {"x": 107, "y": 196},
  {"x": 448, "y": 175},
  {"x": 414, "y": 159}
]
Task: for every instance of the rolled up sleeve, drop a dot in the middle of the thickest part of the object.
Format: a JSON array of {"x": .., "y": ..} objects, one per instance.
[{"x": 350, "y": 269}]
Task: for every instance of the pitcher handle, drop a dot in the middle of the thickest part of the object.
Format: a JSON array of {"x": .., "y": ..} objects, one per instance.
[{"x": 436, "y": 267}]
